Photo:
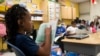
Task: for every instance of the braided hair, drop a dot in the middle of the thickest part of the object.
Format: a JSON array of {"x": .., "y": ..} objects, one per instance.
[{"x": 12, "y": 16}]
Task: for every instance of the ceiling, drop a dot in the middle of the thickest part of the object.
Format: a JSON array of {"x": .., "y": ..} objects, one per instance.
[{"x": 79, "y": 1}]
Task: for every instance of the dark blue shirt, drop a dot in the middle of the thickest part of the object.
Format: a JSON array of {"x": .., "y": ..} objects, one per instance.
[
  {"x": 26, "y": 45},
  {"x": 60, "y": 30}
]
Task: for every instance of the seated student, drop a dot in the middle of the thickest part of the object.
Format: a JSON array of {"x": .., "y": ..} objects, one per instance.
[
  {"x": 92, "y": 28},
  {"x": 83, "y": 25},
  {"x": 18, "y": 21},
  {"x": 71, "y": 30},
  {"x": 97, "y": 23},
  {"x": 77, "y": 20},
  {"x": 61, "y": 29}
]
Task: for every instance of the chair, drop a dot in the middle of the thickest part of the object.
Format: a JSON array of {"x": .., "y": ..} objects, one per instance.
[{"x": 17, "y": 51}]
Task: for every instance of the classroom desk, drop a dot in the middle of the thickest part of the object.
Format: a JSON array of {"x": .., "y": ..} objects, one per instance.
[{"x": 89, "y": 46}]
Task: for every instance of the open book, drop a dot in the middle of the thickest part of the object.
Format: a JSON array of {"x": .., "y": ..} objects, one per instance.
[
  {"x": 41, "y": 32},
  {"x": 56, "y": 38}
]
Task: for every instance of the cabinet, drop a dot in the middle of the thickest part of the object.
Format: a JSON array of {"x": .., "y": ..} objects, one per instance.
[
  {"x": 64, "y": 12},
  {"x": 74, "y": 13},
  {"x": 68, "y": 12}
]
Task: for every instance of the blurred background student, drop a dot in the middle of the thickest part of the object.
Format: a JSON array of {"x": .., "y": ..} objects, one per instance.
[
  {"x": 61, "y": 28},
  {"x": 92, "y": 28},
  {"x": 71, "y": 30},
  {"x": 60, "y": 31}
]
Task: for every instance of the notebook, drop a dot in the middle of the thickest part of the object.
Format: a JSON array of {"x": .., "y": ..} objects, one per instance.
[
  {"x": 81, "y": 33},
  {"x": 56, "y": 39},
  {"x": 80, "y": 36}
]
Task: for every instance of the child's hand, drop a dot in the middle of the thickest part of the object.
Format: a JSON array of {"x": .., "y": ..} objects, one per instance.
[
  {"x": 48, "y": 32},
  {"x": 42, "y": 44}
]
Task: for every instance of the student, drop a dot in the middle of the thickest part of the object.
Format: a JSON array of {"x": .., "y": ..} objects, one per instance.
[
  {"x": 18, "y": 21},
  {"x": 83, "y": 25},
  {"x": 92, "y": 28},
  {"x": 77, "y": 20},
  {"x": 61, "y": 29},
  {"x": 71, "y": 30}
]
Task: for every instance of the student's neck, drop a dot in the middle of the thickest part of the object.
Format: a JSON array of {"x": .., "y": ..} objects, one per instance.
[{"x": 21, "y": 31}]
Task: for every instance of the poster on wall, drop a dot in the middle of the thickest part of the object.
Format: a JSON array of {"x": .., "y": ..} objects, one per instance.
[
  {"x": 57, "y": 11},
  {"x": 51, "y": 10},
  {"x": 54, "y": 15}
]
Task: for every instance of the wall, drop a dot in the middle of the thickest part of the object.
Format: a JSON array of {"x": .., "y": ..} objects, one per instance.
[
  {"x": 77, "y": 9},
  {"x": 95, "y": 10},
  {"x": 84, "y": 9},
  {"x": 85, "y": 17},
  {"x": 2, "y": 7},
  {"x": 67, "y": 21}
]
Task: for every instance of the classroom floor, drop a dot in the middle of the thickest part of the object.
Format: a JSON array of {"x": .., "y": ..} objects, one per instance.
[{"x": 13, "y": 54}]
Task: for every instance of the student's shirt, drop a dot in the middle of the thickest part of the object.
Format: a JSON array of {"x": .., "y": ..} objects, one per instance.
[
  {"x": 72, "y": 29},
  {"x": 60, "y": 30},
  {"x": 92, "y": 29},
  {"x": 26, "y": 45}
]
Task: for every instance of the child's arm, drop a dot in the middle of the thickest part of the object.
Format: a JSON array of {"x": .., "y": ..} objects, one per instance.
[{"x": 44, "y": 50}]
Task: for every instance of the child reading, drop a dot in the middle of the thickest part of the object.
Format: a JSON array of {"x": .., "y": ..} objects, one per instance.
[{"x": 18, "y": 21}]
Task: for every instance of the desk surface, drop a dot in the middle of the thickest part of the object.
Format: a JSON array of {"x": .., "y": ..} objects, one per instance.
[{"x": 93, "y": 39}]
